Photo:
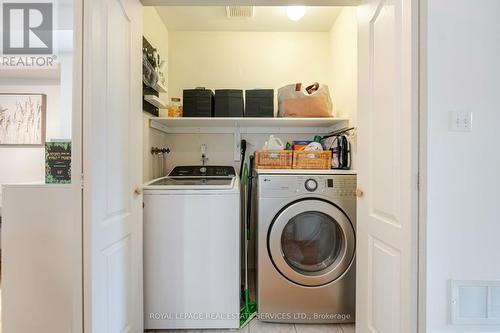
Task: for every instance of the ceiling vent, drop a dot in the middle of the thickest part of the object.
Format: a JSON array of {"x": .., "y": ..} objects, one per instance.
[{"x": 240, "y": 11}]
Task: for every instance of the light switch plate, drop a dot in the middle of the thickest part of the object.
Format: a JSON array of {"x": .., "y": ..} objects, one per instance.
[{"x": 460, "y": 121}]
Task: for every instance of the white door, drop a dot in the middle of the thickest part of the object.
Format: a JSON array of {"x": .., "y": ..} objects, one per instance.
[
  {"x": 387, "y": 164},
  {"x": 112, "y": 164}
]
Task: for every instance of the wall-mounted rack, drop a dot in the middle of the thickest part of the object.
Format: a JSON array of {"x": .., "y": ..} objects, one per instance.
[
  {"x": 151, "y": 93},
  {"x": 238, "y": 126},
  {"x": 156, "y": 101},
  {"x": 160, "y": 87}
]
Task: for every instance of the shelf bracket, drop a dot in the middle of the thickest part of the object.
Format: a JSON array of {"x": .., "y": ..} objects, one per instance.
[{"x": 237, "y": 142}]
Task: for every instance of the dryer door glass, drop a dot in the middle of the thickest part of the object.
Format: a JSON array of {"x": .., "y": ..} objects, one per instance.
[{"x": 311, "y": 242}]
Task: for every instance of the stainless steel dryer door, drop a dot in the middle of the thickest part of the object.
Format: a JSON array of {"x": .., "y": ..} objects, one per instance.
[{"x": 311, "y": 242}]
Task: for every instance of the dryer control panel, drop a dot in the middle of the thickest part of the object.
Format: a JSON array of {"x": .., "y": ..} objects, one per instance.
[
  {"x": 342, "y": 186},
  {"x": 282, "y": 186}
]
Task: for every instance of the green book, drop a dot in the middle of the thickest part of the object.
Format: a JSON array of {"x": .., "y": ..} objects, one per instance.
[{"x": 58, "y": 162}]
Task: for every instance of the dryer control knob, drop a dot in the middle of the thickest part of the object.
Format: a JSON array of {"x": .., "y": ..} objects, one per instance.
[{"x": 311, "y": 185}]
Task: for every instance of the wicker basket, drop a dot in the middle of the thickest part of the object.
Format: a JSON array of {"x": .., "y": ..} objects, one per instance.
[
  {"x": 273, "y": 159},
  {"x": 312, "y": 159}
]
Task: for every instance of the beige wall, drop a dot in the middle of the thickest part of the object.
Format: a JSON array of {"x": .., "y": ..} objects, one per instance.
[
  {"x": 186, "y": 147},
  {"x": 344, "y": 64},
  {"x": 344, "y": 69},
  {"x": 241, "y": 60},
  {"x": 157, "y": 34},
  {"x": 246, "y": 60}
]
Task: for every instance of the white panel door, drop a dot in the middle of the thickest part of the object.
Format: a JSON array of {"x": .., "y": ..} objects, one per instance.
[
  {"x": 112, "y": 163},
  {"x": 387, "y": 163}
]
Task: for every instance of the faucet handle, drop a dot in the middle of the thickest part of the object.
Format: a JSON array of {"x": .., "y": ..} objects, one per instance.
[{"x": 204, "y": 159}]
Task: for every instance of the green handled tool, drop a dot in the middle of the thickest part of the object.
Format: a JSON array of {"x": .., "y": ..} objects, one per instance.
[{"x": 249, "y": 309}]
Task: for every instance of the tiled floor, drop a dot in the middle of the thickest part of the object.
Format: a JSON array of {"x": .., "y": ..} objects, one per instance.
[{"x": 256, "y": 326}]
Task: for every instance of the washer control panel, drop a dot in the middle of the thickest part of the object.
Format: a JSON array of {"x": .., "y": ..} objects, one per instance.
[
  {"x": 203, "y": 171},
  {"x": 281, "y": 186}
]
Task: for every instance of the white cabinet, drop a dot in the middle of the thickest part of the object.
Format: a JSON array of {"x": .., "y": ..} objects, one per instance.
[{"x": 37, "y": 258}]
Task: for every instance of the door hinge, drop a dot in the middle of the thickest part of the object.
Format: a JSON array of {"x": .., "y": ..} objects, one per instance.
[
  {"x": 82, "y": 181},
  {"x": 418, "y": 181}
]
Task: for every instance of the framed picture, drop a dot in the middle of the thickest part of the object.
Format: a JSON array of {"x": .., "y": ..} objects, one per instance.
[{"x": 22, "y": 119}]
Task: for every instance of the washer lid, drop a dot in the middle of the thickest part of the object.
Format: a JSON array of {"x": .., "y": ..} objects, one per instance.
[
  {"x": 195, "y": 183},
  {"x": 224, "y": 182},
  {"x": 196, "y": 178},
  {"x": 311, "y": 242}
]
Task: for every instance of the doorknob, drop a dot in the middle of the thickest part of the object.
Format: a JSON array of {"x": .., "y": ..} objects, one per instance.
[
  {"x": 359, "y": 192},
  {"x": 138, "y": 191}
]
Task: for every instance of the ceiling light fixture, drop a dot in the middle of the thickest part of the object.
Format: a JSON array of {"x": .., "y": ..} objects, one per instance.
[{"x": 295, "y": 13}]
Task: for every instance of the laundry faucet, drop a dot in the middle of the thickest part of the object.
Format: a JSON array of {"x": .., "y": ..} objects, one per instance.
[{"x": 204, "y": 157}]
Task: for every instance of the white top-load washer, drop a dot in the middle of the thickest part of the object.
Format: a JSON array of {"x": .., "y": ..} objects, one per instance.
[{"x": 192, "y": 250}]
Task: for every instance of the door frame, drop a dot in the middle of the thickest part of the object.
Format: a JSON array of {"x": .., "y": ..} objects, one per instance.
[
  {"x": 422, "y": 168},
  {"x": 81, "y": 249},
  {"x": 77, "y": 168}
]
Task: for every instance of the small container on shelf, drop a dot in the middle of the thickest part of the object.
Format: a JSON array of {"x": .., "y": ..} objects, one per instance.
[
  {"x": 175, "y": 108},
  {"x": 273, "y": 159},
  {"x": 229, "y": 103},
  {"x": 313, "y": 159},
  {"x": 300, "y": 145},
  {"x": 259, "y": 103},
  {"x": 198, "y": 102}
]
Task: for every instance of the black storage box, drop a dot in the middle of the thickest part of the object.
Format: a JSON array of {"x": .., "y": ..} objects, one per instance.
[
  {"x": 259, "y": 103},
  {"x": 229, "y": 103},
  {"x": 198, "y": 102}
]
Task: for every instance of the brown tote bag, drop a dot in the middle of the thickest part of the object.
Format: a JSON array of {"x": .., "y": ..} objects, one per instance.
[{"x": 313, "y": 102}]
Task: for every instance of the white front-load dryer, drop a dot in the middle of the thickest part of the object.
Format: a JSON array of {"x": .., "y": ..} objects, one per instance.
[{"x": 306, "y": 246}]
